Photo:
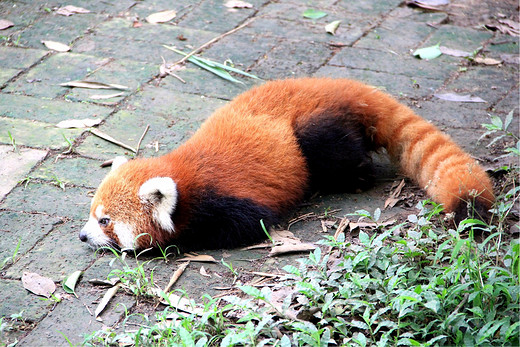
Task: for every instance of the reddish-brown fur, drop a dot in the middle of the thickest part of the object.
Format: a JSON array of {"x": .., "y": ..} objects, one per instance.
[{"x": 248, "y": 149}]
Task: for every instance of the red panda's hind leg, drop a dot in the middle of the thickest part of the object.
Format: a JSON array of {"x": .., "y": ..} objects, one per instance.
[{"x": 337, "y": 152}]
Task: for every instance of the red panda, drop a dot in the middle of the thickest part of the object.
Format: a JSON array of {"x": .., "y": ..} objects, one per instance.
[{"x": 257, "y": 157}]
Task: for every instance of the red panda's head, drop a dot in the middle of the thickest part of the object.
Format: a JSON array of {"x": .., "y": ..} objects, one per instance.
[{"x": 131, "y": 207}]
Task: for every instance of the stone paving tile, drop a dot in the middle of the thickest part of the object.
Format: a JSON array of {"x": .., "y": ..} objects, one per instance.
[
  {"x": 57, "y": 256},
  {"x": 7, "y": 74},
  {"x": 401, "y": 23},
  {"x": 115, "y": 72},
  {"x": 15, "y": 164},
  {"x": 489, "y": 83},
  {"x": 17, "y": 58},
  {"x": 48, "y": 111},
  {"x": 402, "y": 64},
  {"x": 71, "y": 202},
  {"x": 201, "y": 82},
  {"x": 44, "y": 79},
  {"x": 33, "y": 307},
  {"x": 397, "y": 85},
  {"x": 58, "y": 28},
  {"x": 212, "y": 15},
  {"x": 35, "y": 134},
  {"x": 13, "y": 229},
  {"x": 71, "y": 171}
]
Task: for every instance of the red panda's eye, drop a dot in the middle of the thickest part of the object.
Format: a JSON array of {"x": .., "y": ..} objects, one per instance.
[{"x": 104, "y": 221}]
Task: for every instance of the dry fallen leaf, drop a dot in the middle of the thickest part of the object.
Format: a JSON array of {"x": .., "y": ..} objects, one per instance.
[
  {"x": 56, "y": 46},
  {"x": 454, "y": 52},
  {"x": 106, "y": 96},
  {"x": 458, "y": 98},
  {"x": 93, "y": 85},
  {"x": 78, "y": 123},
  {"x": 332, "y": 27},
  {"x": 4, "y": 24},
  {"x": 104, "y": 282},
  {"x": 182, "y": 303},
  {"x": 176, "y": 275},
  {"x": 161, "y": 17},
  {"x": 354, "y": 225},
  {"x": 198, "y": 257},
  {"x": 38, "y": 284},
  {"x": 394, "y": 196},
  {"x": 487, "y": 61},
  {"x": 291, "y": 248},
  {"x": 238, "y": 4},
  {"x": 106, "y": 299},
  {"x": 433, "y": 5},
  {"x": 203, "y": 272},
  {"x": 69, "y": 10}
]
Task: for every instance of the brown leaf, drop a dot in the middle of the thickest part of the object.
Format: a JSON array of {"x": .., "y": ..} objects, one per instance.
[
  {"x": 487, "y": 61},
  {"x": 291, "y": 248},
  {"x": 4, "y": 24},
  {"x": 78, "y": 123},
  {"x": 69, "y": 10},
  {"x": 176, "y": 275},
  {"x": 37, "y": 284},
  {"x": 394, "y": 196},
  {"x": 237, "y": 4},
  {"x": 161, "y": 17},
  {"x": 56, "y": 46},
  {"x": 204, "y": 258},
  {"x": 106, "y": 299}
]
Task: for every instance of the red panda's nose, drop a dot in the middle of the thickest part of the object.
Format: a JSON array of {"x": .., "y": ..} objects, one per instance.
[{"x": 83, "y": 235}]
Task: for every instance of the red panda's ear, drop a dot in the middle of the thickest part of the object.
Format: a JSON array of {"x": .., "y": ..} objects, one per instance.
[
  {"x": 161, "y": 194},
  {"x": 117, "y": 162}
]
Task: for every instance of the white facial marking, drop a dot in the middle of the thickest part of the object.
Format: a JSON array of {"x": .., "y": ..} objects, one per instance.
[
  {"x": 95, "y": 236},
  {"x": 99, "y": 212},
  {"x": 161, "y": 193},
  {"x": 125, "y": 233}
]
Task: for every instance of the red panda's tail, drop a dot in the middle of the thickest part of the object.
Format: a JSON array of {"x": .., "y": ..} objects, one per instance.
[{"x": 449, "y": 175}]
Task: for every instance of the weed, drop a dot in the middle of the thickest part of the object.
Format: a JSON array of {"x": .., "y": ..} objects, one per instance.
[
  {"x": 58, "y": 182},
  {"x": 13, "y": 257},
  {"x": 13, "y": 141},
  {"x": 70, "y": 149},
  {"x": 230, "y": 267},
  {"x": 133, "y": 279}
]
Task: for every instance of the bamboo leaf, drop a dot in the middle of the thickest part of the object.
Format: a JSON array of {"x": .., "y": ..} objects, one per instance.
[{"x": 69, "y": 283}]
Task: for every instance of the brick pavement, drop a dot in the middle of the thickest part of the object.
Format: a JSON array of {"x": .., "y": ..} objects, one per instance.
[{"x": 373, "y": 43}]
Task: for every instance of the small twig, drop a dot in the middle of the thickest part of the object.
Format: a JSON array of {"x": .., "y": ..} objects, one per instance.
[
  {"x": 109, "y": 138},
  {"x": 141, "y": 139},
  {"x": 200, "y": 48}
]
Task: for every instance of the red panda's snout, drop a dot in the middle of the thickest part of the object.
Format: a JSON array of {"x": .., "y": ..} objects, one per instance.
[{"x": 128, "y": 214}]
